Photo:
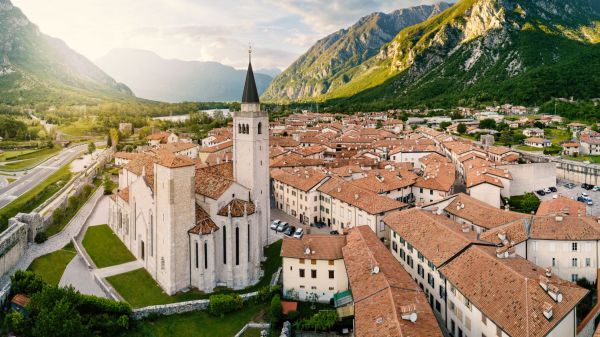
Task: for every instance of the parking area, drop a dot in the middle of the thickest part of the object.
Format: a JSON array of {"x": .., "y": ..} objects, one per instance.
[
  {"x": 277, "y": 214},
  {"x": 573, "y": 193}
]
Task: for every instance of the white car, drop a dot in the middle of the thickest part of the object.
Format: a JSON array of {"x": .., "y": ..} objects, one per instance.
[
  {"x": 585, "y": 195},
  {"x": 298, "y": 233},
  {"x": 274, "y": 224},
  {"x": 282, "y": 226},
  {"x": 596, "y": 189}
]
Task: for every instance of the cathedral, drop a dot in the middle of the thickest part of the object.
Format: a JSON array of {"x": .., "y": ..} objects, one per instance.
[{"x": 198, "y": 226}]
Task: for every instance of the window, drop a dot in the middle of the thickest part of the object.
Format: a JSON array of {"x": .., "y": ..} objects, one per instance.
[
  {"x": 574, "y": 277},
  {"x": 442, "y": 291},
  {"x": 224, "y": 245},
  {"x": 438, "y": 307},
  {"x": 553, "y": 262},
  {"x": 421, "y": 190},
  {"x": 301, "y": 261},
  {"x": 331, "y": 262},
  {"x": 574, "y": 246},
  {"x": 301, "y": 272},
  {"x": 430, "y": 192},
  {"x": 574, "y": 262},
  {"x": 259, "y": 128},
  {"x": 331, "y": 274},
  {"x": 588, "y": 262},
  {"x": 237, "y": 246},
  {"x": 313, "y": 273},
  {"x": 394, "y": 246},
  {"x": 205, "y": 255},
  {"x": 313, "y": 261},
  {"x": 196, "y": 246},
  {"x": 467, "y": 303}
]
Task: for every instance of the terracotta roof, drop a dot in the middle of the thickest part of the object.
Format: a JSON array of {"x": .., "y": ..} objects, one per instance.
[
  {"x": 365, "y": 200},
  {"x": 515, "y": 231},
  {"x": 302, "y": 179},
  {"x": 508, "y": 292},
  {"x": 167, "y": 159},
  {"x": 213, "y": 181},
  {"x": 380, "y": 181},
  {"x": 322, "y": 247},
  {"x": 159, "y": 136},
  {"x": 439, "y": 176},
  {"x": 292, "y": 160},
  {"x": 204, "y": 224},
  {"x": 346, "y": 171},
  {"x": 177, "y": 146},
  {"x": 217, "y": 148},
  {"x": 124, "y": 194},
  {"x": 238, "y": 208},
  {"x": 537, "y": 140},
  {"x": 126, "y": 155},
  {"x": 563, "y": 205},
  {"x": 21, "y": 300},
  {"x": 480, "y": 213},
  {"x": 381, "y": 298},
  {"x": 436, "y": 237},
  {"x": 565, "y": 228}
]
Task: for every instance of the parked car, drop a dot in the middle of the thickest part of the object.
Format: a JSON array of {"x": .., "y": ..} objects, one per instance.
[
  {"x": 318, "y": 224},
  {"x": 540, "y": 192},
  {"x": 289, "y": 231},
  {"x": 298, "y": 233},
  {"x": 552, "y": 189},
  {"x": 585, "y": 195},
  {"x": 334, "y": 232},
  {"x": 570, "y": 186},
  {"x": 274, "y": 224},
  {"x": 282, "y": 226},
  {"x": 581, "y": 199},
  {"x": 589, "y": 202},
  {"x": 596, "y": 189},
  {"x": 547, "y": 191},
  {"x": 587, "y": 186}
]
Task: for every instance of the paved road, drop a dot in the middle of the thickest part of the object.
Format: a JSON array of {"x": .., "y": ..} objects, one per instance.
[
  {"x": 38, "y": 174},
  {"x": 79, "y": 277}
]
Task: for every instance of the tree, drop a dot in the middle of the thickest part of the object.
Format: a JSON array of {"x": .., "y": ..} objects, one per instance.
[
  {"x": 444, "y": 125},
  {"x": 487, "y": 124},
  {"x": 529, "y": 203},
  {"x": 91, "y": 147},
  {"x": 114, "y": 136},
  {"x": 275, "y": 309},
  {"x": 461, "y": 128},
  {"x": 59, "y": 319},
  {"x": 539, "y": 124},
  {"x": 379, "y": 124},
  {"x": 108, "y": 140}
]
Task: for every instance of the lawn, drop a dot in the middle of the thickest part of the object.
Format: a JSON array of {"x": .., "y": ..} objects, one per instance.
[
  {"x": 28, "y": 160},
  {"x": 198, "y": 324},
  {"x": 36, "y": 196},
  {"x": 52, "y": 266},
  {"x": 83, "y": 127},
  {"x": 139, "y": 289},
  {"x": 14, "y": 153},
  {"x": 105, "y": 248},
  {"x": 591, "y": 159},
  {"x": 530, "y": 148},
  {"x": 557, "y": 136}
]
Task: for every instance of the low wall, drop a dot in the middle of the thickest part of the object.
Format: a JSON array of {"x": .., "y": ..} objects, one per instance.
[
  {"x": 13, "y": 243},
  {"x": 530, "y": 177},
  {"x": 178, "y": 308},
  {"x": 253, "y": 325}
]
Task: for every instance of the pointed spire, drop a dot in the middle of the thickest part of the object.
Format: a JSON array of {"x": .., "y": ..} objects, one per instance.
[{"x": 250, "y": 94}]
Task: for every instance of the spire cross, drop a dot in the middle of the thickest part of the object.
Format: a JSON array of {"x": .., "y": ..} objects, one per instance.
[{"x": 249, "y": 52}]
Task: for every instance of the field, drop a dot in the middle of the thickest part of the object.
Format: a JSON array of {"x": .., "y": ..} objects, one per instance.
[
  {"x": 26, "y": 159},
  {"x": 105, "y": 248},
  {"x": 36, "y": 196},
  {"x": 51, "y": 266},
  {"x": 199, "y": 324},
  {"x": 591, "y": 159},
  {"x": 530, "y": 148},
  {"x": 83, "y": 127},
  {"x": 139, "y": 289}
]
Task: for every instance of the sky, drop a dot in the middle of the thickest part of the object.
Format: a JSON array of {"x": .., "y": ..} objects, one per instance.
[{"x": 202, "y": 30}]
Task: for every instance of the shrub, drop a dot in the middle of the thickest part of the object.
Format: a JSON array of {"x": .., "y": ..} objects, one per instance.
[
  {"x": 322, "y": 321},
  {"x": 265, "y": 294},
  {"x": 275, "y": 309},
  {"x": 15, "y": 322},
  {"x": 221, "y": 304},
  {"x": 26, "y": 282},
  {"x": 40, "y": 237}
]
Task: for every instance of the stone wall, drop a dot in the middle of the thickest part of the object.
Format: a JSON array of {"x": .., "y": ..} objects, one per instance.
[
  {"x": 530, "y": 177},
  {"x": 178, "y": 308},
  {"x": 13, "y": 243},
  {"x": 576, "y": 171}
]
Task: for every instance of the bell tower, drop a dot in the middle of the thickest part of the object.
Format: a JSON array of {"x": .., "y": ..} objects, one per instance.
[{"x": 251, "y": 152}]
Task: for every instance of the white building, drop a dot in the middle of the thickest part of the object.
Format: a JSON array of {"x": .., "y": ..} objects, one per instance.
[
  {"x": 199, "y": 227},
  {"x": 313, "y": 266}
]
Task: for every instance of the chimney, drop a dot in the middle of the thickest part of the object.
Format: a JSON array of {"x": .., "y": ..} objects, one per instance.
[
  {"x": 547, "y": 310},
  {"x": 409, "y": 312},
  {"x": 548, "y": 272},
  {"x": 555, "y": 293},
  {"x": 559, "y": 217},
  {"x": 544, "y": 281},
  {"x": 356, "y": 196},
  {"x": 465, "y": 227}
]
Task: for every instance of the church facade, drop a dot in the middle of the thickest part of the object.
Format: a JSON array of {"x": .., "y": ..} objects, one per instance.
[{"x": 197, "y": 226}]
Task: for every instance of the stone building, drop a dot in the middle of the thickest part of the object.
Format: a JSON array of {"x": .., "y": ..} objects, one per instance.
[{"x": 198, "y": 226}]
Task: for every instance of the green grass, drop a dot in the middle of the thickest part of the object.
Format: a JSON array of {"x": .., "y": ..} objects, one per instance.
[
  {"x": 52, "y": 266},
  {"x": 530, "y": 148},
  {"x": 14, "y": 153},
  {"x": 82, "y": 127},
  {"x": 557, "y": 136},
  {"x": 59, "y": 223},
  {"x": 11, "y": 180},
  {"x": 591, "y": 159},
  {"x": 36, "y": 196},
  {"x": 139, "y": 289},
  {"x": 28, "y": 160},
  {"x": 105, "y": 248},
  {"x": 197, "y": 324}
]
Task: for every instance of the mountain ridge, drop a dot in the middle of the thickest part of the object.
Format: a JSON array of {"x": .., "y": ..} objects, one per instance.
[
  {"x": 36, "y": 67},
  {"x": 173, "y": 80}
]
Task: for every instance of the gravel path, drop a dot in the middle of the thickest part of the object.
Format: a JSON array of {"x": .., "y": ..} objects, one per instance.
[{"x": 79, "y": 276}]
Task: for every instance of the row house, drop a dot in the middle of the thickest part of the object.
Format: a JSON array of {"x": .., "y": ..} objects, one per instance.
[{"x": 295, "y": 192}]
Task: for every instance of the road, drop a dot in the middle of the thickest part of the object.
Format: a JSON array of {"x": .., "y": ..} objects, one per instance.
[{"x": 39, "y": 174}]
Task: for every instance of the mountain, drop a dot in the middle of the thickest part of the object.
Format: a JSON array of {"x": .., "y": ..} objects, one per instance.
[
  {"x": 38, "y": 68},
  {"x": 324, "y": 66},
  {"x": 518, "y": 51},
  {"x": 153, "y": 77}
]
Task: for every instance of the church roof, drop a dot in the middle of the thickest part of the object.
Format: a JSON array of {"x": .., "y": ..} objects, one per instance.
[
  {"x": 250, "y": 92},
  {"x": 237, "y": 207},
  {"x": 204, "y": 224},
  {"x": 213, "y": 181}
]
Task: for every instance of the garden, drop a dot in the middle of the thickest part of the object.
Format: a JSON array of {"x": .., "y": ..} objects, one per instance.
[{"x": 105, "y": 248}]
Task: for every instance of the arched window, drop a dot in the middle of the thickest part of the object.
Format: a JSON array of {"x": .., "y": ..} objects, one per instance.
[
  {"x": 239, "y": 128},
  {"x": 205, "y": 255},
  {"x": 224, "y": 245},
  {"x": 259, "y": 128},
  {"x": 247, "y": 129},
  {"x": 237, "y": 246}
]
